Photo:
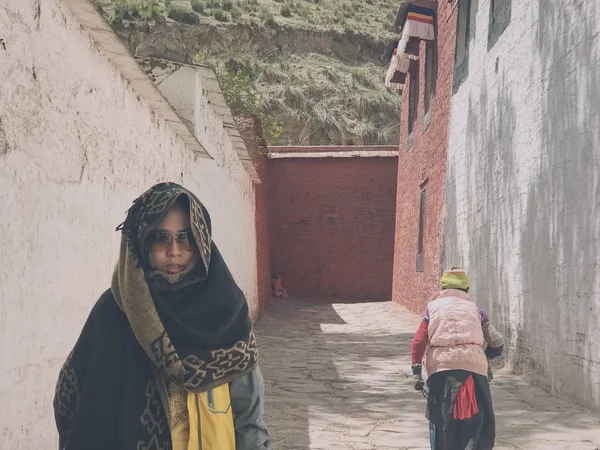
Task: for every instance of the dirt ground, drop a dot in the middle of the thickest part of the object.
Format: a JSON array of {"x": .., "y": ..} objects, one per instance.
[{"x": 338, "y": 377}]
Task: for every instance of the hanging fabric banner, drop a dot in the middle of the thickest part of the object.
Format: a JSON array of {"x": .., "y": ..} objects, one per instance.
[
  {"x": 419, "y": 24},
  {"x": 400, "y": 64},
  {"x": 418, "y": 19}
]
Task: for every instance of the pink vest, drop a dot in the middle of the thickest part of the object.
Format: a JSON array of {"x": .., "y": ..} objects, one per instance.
[{"x": 455, "y": 334}]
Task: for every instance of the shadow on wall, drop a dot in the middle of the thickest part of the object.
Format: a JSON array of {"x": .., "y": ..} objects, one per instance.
[
  {"x": 561, "y": 236},
  {"x": 491, "y": 189},
  {"x": 474, "y": 5},
  {"x": 552, "y": 322}
]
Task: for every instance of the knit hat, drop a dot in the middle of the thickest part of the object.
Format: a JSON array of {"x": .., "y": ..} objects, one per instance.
[{"x": 455, "y": 279}]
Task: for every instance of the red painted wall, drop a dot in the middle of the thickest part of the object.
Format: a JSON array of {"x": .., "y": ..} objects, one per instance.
[
  {"x": 331, "y": 225},
  {"x": 425, "y": 160}
]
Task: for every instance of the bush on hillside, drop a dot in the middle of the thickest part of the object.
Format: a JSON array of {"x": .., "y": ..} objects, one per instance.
[
  {"x": 198, "y": 6},
  {"x": 220, "y": 15},
  {"x": 183, "y": 15},
  {"x": 286, "y": 10}
]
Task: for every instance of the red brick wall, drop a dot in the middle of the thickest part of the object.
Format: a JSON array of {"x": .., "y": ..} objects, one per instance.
[
  {"x": 332, "y": 226},
  {"x": 262, "y": 231},
  {"x": 426, "y": 160}
]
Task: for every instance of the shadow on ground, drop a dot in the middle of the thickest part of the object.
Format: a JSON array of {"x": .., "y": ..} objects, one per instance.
[{"x": 337, "y": 376}]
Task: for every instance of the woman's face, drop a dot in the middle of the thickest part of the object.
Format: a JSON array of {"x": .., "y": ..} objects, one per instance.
[{"x": 171, "y": 244}]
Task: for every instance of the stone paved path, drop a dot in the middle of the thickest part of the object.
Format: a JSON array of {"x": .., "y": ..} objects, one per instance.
[{"x": 338, "y": 377}]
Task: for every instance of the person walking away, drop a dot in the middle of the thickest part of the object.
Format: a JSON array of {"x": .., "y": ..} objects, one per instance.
[
  {"x": 451, "y": 336},
  {"x": 167, "y": 358}
]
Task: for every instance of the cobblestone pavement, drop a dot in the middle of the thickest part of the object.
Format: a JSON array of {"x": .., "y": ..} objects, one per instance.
[{"x": 338, "y": 377}]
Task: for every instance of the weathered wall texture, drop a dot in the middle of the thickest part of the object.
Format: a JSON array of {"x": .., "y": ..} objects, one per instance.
[
  {"x": 263, "y": 257},
  {"x": 523, "y": 193},
  {"x": 425, "y": 161},
  {"x": 77, "y": 145},
  {"x": 332, "y": 226}
]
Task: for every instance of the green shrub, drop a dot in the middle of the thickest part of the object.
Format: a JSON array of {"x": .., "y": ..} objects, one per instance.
[
  {"x": 127, "y": 10},
  {"x": 183, "y": 15},
  {"x": 286, "y": 10},
  {"x": 236, "y": 14},
  {"x": 198, "y": 6},
  {"x": 265, "y": 15},
  {"x": 220, "y": 15}
]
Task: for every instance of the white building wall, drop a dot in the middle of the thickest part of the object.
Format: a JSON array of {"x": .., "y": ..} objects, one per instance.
[
  {"x": 523, "y": 189},
  {"x": 77, "y": 145}
]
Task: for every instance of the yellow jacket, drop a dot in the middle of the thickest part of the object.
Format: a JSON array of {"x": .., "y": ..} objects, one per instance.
[{"x": 228, "y": 417}]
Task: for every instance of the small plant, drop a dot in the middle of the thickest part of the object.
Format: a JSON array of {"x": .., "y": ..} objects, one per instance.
[
  {"x": 302, "y": 11},
  {"x": 284, "y": 63},
  {"x": 265, "y": 15},
  {"x": 236, "y": 14},
  {"x": 331, "y": 75},
  {"x": 239, "y": 92},
  {"x": 220, "y": 15},
  {"x": 286, "y": 10},
  {"x": 272, "y": 127},
  {"x": 201, "y": 57},
  {"x": 362, "y": 77},
  {"x": 339, "y": 17},
  {"x": 213, "y": 4},
  {"x": 183, "y": 15},
  {"x": 127, "y": 10},
  {"x": 198, "y": 6},
  {"x": 227, "y": 5},
  {"x": 247, "y": 6}
]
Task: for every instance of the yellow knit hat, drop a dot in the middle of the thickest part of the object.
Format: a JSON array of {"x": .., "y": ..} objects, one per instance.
[{"x": 455, "y": 279}]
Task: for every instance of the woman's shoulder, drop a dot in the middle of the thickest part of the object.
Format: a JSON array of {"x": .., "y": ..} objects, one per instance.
[
  {"x": 103, "y": 322},
  {"x": 106, "y": 308}
]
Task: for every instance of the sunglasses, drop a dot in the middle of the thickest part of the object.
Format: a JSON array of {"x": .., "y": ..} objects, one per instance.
[{"x": 160, "y": 241}]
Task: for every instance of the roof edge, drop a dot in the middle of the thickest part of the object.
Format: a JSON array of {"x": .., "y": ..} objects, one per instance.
[{"x": 106, "y": 41}]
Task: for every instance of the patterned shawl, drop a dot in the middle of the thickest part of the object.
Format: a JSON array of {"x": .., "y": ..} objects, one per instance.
[
  {"x": 195, "y": 333},
  {"x": 209, "y": 341}
]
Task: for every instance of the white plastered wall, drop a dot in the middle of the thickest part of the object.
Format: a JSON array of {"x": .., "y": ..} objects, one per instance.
[
  {"x": 78, "y": 143},
  {"x": 523, "y": 190}
]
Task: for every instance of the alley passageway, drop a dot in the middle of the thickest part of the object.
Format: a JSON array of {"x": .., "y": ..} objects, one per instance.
[{"x": 338, "y": 377}]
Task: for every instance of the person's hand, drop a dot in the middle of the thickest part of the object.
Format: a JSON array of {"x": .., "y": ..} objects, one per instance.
[
  {"x": 492, "y": 353},
  {"x": 419, "y": 383},
  {"x": 418, "y": 378}
]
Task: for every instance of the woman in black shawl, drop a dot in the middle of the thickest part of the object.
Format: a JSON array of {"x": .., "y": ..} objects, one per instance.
[{"x": 167, "y": 358}]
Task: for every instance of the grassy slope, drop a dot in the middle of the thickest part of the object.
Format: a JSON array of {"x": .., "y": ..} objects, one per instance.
[{"x": 318, "y": 98}]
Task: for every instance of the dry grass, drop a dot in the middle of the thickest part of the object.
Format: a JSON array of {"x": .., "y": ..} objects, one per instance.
[
  {"x": 316, "y": 98},
  {"x": 375, "y": 17}
]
